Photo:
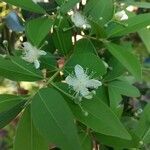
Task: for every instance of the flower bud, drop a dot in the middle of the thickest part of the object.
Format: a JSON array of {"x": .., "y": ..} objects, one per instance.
[{"x": 5, "y": 42}]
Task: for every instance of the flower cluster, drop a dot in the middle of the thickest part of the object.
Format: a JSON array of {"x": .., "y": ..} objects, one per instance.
[{"x": 82, "y": 84}]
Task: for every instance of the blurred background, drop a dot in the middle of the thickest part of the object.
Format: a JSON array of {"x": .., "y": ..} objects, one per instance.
[{"x": 12, "y": 35}]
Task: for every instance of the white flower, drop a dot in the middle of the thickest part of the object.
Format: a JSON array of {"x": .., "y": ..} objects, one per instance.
[
  {"x": 82, "y": 84},
  {"x": 37, "y": 1},
  {"x": 31, "y": 54},
  {"x": 80, "y": 21},
  {"x": 121, "y": 15}
]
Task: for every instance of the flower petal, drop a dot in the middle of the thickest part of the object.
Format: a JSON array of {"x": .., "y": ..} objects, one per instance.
[
  {"x": 90, "y": 96},
  {"x": 79, "y": 72},
  {"x": 70, "y": 80},
  {"x": 31, "y": 54},
  {"x": 27, "y": 46},
  {"x": 93, "y": 83},
  {"x": 86, "y": 93},
  {"x": 41, "y": 52},
  {"x": 36, "y": 64},
  {"x": 121, "y": 15}
]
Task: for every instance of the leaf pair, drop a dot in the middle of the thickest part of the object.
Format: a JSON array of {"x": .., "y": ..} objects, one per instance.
[
  {"x": 10, "y": 107},
  {"x": 126, "y": 58},
  {"x": 53, "y": 120},
  {"x": 118, "y": 88}
]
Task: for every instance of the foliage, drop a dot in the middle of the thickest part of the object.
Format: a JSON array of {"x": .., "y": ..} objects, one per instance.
[{"x": 85, "y": 47}]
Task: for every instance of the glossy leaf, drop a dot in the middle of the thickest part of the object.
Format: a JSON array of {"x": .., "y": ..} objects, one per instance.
[
  {"x": 102, "y": 94},
  {"x": 133, "y": 24},
  {"x": 27, "y": 5},
  {"x": 116, "y": 70},
  {"x": 94, "y": 65},
  {"x": 86, "y": 141},
  {"x": 126, "y": 58},
  {"x": 8, "y": 115},
  {"x": 27, "y": 135},
  {"x": 48, "y": 61},
  {"x": 115, "y": 98},
  {"x": 49, "y": 47},
  {"x": 54, "y": 120},
  {"x": 97, "y": 29},
  {"x": 62, "y": 36},
  {"x": 18, "y": 70},
  {"x": 124, "y": 88},
  {"x": 100, "y": 118},
  {"x": 37, "y": 29},
  {"x": 65, "y": 6},
  {"x": 145, "y": 36},
  {"x": 143, "y": 128},
  {"x": 8, "y": 101},
  {"x": 99, "y": 8},
  {"x": 117, "y": 142},
  {"x": 138, "y": 4},
  {"x": 84, "y": 46}
]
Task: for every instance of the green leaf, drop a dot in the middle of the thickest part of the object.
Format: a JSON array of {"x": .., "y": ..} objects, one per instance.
[
  {"x": 99, "y": 8},
  {"x": 100, "y": 118},
  {"x": 124, "y": 88},
  {"x": 59, "y": 2},
  {"x": 66, "y": 5},
  {"x": 62, "y": 36},
  {"x": 37, "y": 29},
  {"x": 87, "y": 60},
  {"x": 102, "y": 93},
  {"x": 116, "y": 70},
  {"x": 27, "y": 135},
  {"x": 130, "y": 122},
  {"x": 138, "y": 4},
  {"x": 49, "y": 62},
  {"x": 8, "y": 101},
  {"x": 54, "y": 120},
  {"x": 134, "y": 24},
  {"x": 86, "y": 141},
  {"x": 117, "y": 142},
  {"x": 49, "y": 47},
  {"x": 115, "y": 98},
  {"x": 27, "y": 5},
  {"x": 17, "y": 69},
  {"x": 126, "y": 58},
  {"x": 145, "y": 36},
  {"x": 143, "y": 128},
  {"x": 97, "y": 29},
  {"x": 84, "y": 46},
  {"x": 8, "y": 115}
]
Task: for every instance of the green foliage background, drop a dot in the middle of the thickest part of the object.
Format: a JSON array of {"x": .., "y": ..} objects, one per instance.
[{"x": 46, "y": 114}]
